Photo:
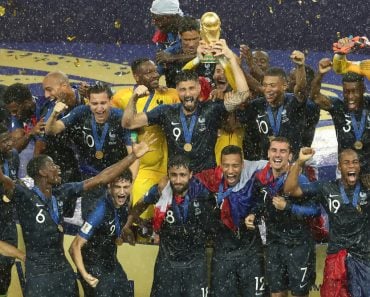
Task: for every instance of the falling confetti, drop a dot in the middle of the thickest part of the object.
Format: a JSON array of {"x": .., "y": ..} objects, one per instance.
[
  {"x": 338, "y": 34},
  {"x": 71, "y": 38},
  {"x": 2, "y": 11},
  {"x": 280, "y": 1},
  {"x": 77, "y": 63},
  {"x": 271, "y": 10},
  {"x": 300, "y": 2},
  {"x": 22, "y": 71},
  {"x": 318, "y": 16},
  {"x": 117, "y": 24},
  {"x": 307, "y": 22}
]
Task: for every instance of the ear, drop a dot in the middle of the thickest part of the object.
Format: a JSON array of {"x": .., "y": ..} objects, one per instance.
[
  {"x": 290, "y": 157},
  {"x": 42, "y": 172},
  {"x": 136, "y": 77},
  {"x": 191, "y": 174}
]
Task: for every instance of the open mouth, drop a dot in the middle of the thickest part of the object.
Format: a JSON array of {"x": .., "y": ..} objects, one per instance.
[
  {"x": 351, "y": 175},
  {"x": 277, "y": 161},
  {"x": 188, "y": 99}
]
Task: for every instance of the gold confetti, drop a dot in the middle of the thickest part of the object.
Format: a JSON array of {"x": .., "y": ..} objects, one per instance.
[
  {"x": 300, "y": 2},
  {"x": 338, "y": 34},
  {"x": 307, "y": 22},
  {"x": 315, "y": 1},
  {"x": 271, "y": 10},
  {"x": 14, "y": 12},
  {"x": 77, "y": 62},
  {"x": 118, "y": 43},
  {"x": 2, "y": 11},
  {"x": 318, "y": 16},
  {"x": 280, "y": 1},
  {"x": 71, "y": 38},
  {"x": 117, "y": 24},
  {"x": 22, "y": 71}
]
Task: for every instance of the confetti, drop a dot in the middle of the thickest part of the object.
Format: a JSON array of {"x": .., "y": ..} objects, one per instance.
[
  {"x": 280, "y": 1},
  {"x": 315, "y": 1},
  {"x": 300, "y": 2},
  {"x": 318, "y": 16},
  {"x": 22, "y": 71},
  {"x": 117, "y": 24},
  {"x": 307, "y": 22},
  {"x": 271, "y": 10},
  {"x": 338, "y": 34},
  {"x": 71, "y": 38},
  {"x": 77, "y": 63},
  {"x": 2, "y": 11}
]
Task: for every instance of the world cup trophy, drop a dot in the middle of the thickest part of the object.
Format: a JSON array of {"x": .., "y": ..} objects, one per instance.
[{"x": 210, "y": 30}]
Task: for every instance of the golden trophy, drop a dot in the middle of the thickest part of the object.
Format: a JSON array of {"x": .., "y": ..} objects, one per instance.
[{"x": 210, "y": 29}]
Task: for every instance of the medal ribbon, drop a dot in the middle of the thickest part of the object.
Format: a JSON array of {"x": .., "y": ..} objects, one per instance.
[
  {"x": 116, "y": 223},
  {"x": 221, "y": 194},
  {"x": 358, "y": 131},
  {"x": 355, "y": 194},
  {"x": 99, "y": 141},
  {"x": 6, "y": 167},
  {"x": 148, "y": 101},
  {"x": 275, "y": 185},
  {"x": 188, "y": 132},
  {"x": 181, "y": 215},
  {"x": 275, "y": 125},
  {"x": 54, "y": 213}
]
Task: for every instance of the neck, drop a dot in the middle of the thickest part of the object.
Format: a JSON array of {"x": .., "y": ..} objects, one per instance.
[
  {"x": 186, "y": 112},
  {"x": 278, "y": 102},
  {"x": 346, "y": 185},
  {"x": 278, "y": 172},
  {"x": 44, "y": 187}
]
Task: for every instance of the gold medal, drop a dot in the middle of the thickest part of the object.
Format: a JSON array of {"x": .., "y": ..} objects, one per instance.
[
  {"x": 60, "y": 228},
  {"x": 6, "y": 199},
  {"x": 188, "y": 147},
  {"x": 358, "y": 145},
  {"x": 99, "y": 155},
  {"x": 119, "y": 241}
]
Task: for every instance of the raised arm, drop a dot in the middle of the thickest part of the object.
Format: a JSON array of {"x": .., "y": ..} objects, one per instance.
[
  {"x": 53, "y": 125},
  {"x": 298, "y": 59},
  {"x": 255, "y": 71},
  {"x": 109, "y": 174},
  {"x": 75, "y": 252},
  {"x": 321, "y": 100},
  {"x": 131, "y": 119},
  {"x": 291, "y": 186},
  {"x": 241, "y": 91},
  {"x": 8, "y": 250}
]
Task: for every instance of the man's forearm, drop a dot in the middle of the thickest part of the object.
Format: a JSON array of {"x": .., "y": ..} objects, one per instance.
[
  {"x": 130, "y": 112},
  {"x": 301, "y": 83},
  {"x": 291, "y": 184},
  {"x": 50, "y": 127}
]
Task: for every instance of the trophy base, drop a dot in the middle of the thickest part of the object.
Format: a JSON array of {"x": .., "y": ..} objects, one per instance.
[{"x": 209, "y": 59}]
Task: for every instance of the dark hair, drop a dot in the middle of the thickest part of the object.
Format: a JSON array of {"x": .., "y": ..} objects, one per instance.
[
  {"x": 276, "y": 71},
  {"x": 188, "y": 23},
  {"x": 35, "y": 164},
  {"x": 232, "y": 150},
  {"x": 179, "y": 161},
  {"x": 352, "y": 77},
  {"x": 281, "y": 139},
  {"x": 135, "y": 65},
  {"x": 187, "y": 75},
  {"x": 17, "y": 93},
  {"x": 126, "y": 175},
  {"x": 99, "y": 87},
  {"x": 347, "y": 151}
]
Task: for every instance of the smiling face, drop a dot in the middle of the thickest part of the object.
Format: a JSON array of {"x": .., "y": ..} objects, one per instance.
[
  {"x": 232, "y": 166},
  {"x": 279, "y": 156},
  {"x": 188, "y": 91},
  {"x": 273, "y": 89},
  {"x": 120, "y": 191},
  {"x": 51, "y": 171},
  {"x": 220, "y": 78},
  {"x": 100, "y": 106},
  {"x": 353, "y": 93},
  {"x": 6, "y": 143},
  {"x": 349, "y": 167},
  {"x": 147, "y": 75},
  {"x": 179, "y": 179}
]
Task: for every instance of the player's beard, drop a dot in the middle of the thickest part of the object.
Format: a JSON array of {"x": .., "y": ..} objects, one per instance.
[
  {"x": 179, "y": 189},
  {"x": 190, "y": 108}
]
